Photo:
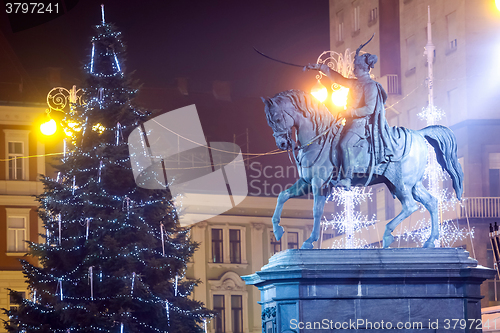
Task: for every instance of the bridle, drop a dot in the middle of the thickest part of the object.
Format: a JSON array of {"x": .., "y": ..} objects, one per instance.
[
  {"x": 293, "y": 146},
  {"x": 285, "y": 131}
]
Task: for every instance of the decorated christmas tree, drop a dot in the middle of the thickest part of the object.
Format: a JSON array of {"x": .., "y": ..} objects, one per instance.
[{"x": 114, "y": 257}]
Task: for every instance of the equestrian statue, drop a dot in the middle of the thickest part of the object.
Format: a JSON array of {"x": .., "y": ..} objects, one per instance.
[{"x": 358, "y": 148}]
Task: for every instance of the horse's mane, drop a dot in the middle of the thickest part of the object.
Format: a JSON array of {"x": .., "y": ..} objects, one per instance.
[{"x": 310, "y": 107}]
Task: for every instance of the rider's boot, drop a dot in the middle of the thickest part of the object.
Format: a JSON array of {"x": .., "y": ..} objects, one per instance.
[
  {"x": 347, "y": 173},
  {"x": 345, "y": 183}
]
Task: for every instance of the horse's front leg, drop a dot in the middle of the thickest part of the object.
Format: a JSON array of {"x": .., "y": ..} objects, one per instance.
[
  {"x": 298, "y": 189},
  {"x": 319, "y": 205}
]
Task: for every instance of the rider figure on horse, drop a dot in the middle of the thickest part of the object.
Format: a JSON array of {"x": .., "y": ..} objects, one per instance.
[{"x": 365, "y": 118}]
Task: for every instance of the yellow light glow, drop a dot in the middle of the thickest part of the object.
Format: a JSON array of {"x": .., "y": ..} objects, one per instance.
[
  {"x": 98, "y": 128},
  {"x": 72, "y": 127},
  {"x": 49, "y": 127},
  {"x": 339, "y": 96},
  {"x": 319, "y": 91},
  {"x": 497, "y": 2}
]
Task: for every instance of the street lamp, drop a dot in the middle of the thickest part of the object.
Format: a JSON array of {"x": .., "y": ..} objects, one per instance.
[
  {"x": 342, "y": 63},
  {"x": 319, "y": 91},
  {"x": 48, "y": 128},
  {"x": 58, "y": 99}
]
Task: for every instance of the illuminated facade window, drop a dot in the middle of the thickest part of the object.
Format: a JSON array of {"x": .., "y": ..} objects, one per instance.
[
  {"x": 340, "y": 26},
  {"x": 217, "y": 246},
  {"x": 275, "y": 244},
  {"x": 237, "y": 313},
  {"x": 451, "y": 25},
  {"x": 411, "y": 56},
  {"x": 228, "y": 244},
  {"x": 235, "y": 246},
  {"x": 293, "y": 240},
  {"x": 15, "y": 160},
  {"x": 220, "y": 318},
  {"x": 373, "y": 15},
  {"x": 17, "y": 229},
  {"x": 229, "y": 298},
  {"x": 13, "y": 305},
  {"x": 16, "y": 151},
  {"x": 355, "y": 17}
]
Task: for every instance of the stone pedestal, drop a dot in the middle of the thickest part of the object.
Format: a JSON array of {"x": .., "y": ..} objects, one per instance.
[{"x": 407, "y": 290}]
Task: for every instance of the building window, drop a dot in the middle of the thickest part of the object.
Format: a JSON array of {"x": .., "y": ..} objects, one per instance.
[
  {"x": 220, "y": 318},
  {"x": 411, "y": 59},
  {"x": 451, "y": 24},
  {"x": 228, "y": 245},
  {"x": 234, "y": 246},
  {"x": 373, "y": 15},
  {"x": 217, "y": 246},
  {"x": 15, "y": 158},
  {"x": 275, "y": 244},
  {"x": 229, "y": 294},
  {"x": 16, "y": 234},
  {"x": 340, "y": 26},
  {"x": 355, "y": 17},
  {"x": 16, "y": 147},
  {"x": 13, "y": 304},
  {"x": 293, "y": 240},
  {"x": 237, "y": 313}
]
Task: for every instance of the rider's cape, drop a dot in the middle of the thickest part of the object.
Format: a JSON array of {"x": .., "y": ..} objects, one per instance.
[{"x": 389, "y": 144}]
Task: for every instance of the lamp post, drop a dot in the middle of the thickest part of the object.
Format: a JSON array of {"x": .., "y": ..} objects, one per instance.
[
  {"x": 60, "y": 99},
  {"x": 343, "y": 64}
]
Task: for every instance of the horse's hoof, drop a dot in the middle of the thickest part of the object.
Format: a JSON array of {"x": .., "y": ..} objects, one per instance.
[
  {"x": 278, "y": 232},
  {"x": 429, "y": 243},
  {"x": 307, "y": 245},
  {"x": 387, "y": 241}
]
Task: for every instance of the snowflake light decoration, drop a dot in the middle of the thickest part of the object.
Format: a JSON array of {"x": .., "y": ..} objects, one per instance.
[
  {"x": 349, "y": 221},
  {"x": 449, "y": 233}
]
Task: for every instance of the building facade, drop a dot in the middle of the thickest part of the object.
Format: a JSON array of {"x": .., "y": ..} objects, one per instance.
[
  {"x": 237, "y": 243},
  {"x": 23, "y": 160}
]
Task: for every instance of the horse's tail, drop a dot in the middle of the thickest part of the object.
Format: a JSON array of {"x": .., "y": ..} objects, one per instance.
[{"x": 445, "y": 145}]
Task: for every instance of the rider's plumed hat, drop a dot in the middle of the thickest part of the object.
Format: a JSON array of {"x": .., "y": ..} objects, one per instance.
[{"x": 369, "y": 59}]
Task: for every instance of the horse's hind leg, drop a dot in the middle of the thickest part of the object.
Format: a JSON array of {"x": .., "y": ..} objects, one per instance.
[
  {"x": 298, "y": 189},
  {"x": 409, "y": 207},
  {"x": 421, "y": 194}
]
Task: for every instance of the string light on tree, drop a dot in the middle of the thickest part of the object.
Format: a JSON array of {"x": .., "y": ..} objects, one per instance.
[{"x": 99, "y": 223}]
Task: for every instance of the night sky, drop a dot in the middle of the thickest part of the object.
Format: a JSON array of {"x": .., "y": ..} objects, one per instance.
[{"x": 199, "y": 40}]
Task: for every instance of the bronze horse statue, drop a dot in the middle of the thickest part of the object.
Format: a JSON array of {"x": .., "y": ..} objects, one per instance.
[{"x": 316, "y": 152}]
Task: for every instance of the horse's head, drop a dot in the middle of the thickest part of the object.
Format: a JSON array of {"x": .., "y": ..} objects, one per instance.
[
  {"x": 294, "y": 108},
  {"x": 280, "y": 122}
]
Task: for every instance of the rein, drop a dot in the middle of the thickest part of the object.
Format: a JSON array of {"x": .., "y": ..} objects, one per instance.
[
  {"x": 312, "y": 140},
  {"x": 299, "y": 163}
]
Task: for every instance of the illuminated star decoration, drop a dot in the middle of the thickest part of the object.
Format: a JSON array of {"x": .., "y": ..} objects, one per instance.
[{"x": 349, "y": 221}]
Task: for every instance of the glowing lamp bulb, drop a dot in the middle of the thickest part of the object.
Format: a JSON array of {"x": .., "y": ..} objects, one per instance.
[
  {"x": 339, "y": 96},
  {"x": 49, "y": 127},
  {"x": 497, "y": 2},
  {"x": 319, "y": 91}
]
